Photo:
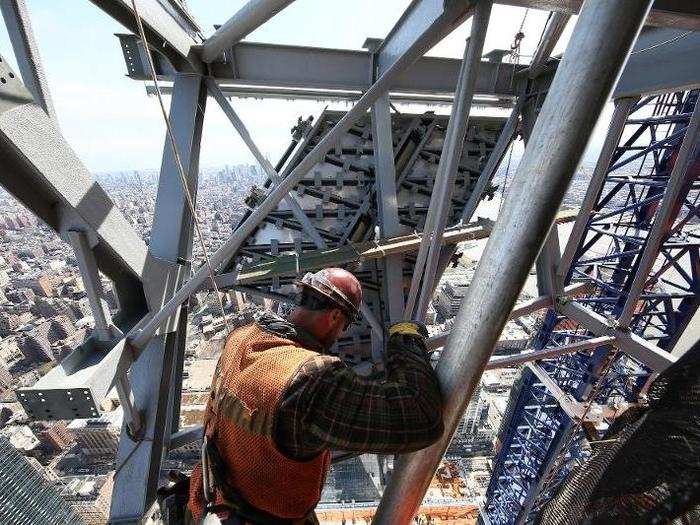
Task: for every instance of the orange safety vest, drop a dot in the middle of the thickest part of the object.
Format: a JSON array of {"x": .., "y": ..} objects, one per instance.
[{"x": 252, "y": 374}]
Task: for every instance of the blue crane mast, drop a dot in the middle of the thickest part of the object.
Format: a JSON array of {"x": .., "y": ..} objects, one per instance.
[{"x": 541, "y": 439}]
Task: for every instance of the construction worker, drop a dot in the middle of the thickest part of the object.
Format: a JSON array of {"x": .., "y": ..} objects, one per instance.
[{"x": 279, "y": 404}]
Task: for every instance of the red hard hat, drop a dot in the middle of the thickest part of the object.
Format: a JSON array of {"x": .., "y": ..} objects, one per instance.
[{"x": 338, "y": 285}]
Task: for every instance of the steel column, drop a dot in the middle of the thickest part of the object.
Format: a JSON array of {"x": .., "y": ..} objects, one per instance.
[
  {"x": 19, "y": 29},
  {"x": 664, "y": 217},
  {"x": 602, "y": 38},
  {"x": 387, "y": 204},
  {"x": 429, "y": 252},
  {"x": 171, "y": 240},
  {"x": 251, "y": 16}
]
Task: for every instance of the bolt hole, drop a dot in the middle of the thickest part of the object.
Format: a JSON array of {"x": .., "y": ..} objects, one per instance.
[
  {"x": 11, "y": 75},
  {"x": 3, "y": 80}
]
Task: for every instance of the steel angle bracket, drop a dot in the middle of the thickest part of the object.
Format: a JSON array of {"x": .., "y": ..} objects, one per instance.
[{"x": 76, "y": 387}]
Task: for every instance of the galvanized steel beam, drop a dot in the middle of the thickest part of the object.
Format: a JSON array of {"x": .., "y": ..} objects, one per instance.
[
  {"x": 670, "y": 52},
  {"x": 299, "y": 71},
  {"x": 170, "y": 30},
  {"x": 19, "y": 29},
  {"x": 39, "y": 168},
  {"x": 387, "y": 204},
  {"x": 550, "y": 37},
  {"x": 153, "y": 375},
  {"x": 601, "y": 40},
  {"x": 421, "y": 25},
  {"x": 93, "y": 285},
  {"x": 240, "y": 127}
]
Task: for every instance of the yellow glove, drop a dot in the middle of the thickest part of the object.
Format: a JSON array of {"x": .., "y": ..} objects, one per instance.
[{"x": 409, "y": 328}]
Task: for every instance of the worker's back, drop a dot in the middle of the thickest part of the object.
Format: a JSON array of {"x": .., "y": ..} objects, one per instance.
[{"x": 255, "y": 367}]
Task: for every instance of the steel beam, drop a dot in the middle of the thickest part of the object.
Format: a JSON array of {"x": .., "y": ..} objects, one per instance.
[
  {"x": 169, "y": 28},
  {"x": 186, "y": 436},
  {"x": 672, "y": 51},
  {"x": 425, "y": 269},
  {"x": 499, "y": 150},
  {"x": 422, "y": 24},
  {"x": 665, "y": 214},
  {"x": 387, "y": 204},
  {"x": 597, "y": 50},
  {"x": 683, "y": 14},
  {"x": 344, "y": 96},
  {"x": 240, "y": 127},
  {"x": 249, "y": 17},
  {"x": 572, "y": 408},
  {"x": 642, "y": 350},
  {"x": 151, "y": 376},
  {"x": 617, "y": 126},
  {"x": 548, "y": 353},
  {"x": 19, "y": 29},
  {"x": 38, "y": 167},
  {"x": 285, "y": 70},
  {"x": 552, "y": 33},
  {"x": 93, "y": 285},
  {"x": 520, "y": 310}
]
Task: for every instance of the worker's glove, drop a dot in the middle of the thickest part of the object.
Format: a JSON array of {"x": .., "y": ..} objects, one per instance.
[{"x": 413, "y": 328}]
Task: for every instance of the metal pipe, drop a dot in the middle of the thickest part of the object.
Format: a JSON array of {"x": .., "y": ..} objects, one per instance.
[
  {"x": 552, "y": 33},
  {"x": 441, "y": 199},
  {"x": 663, "y": 220},
  {"x": 548, "y": 353},
  {"x": 251, "y": 16},
  {"x": 623, "y": 107},
  {"x": 150, "y": 326},
  {"x": 599, "y": 45}
]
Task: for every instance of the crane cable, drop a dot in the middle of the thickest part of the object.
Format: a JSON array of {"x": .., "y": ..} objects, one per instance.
[{"x": 178, "y": 161}]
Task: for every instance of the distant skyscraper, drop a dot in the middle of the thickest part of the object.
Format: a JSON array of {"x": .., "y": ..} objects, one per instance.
[{"x": 26, "y": 496}]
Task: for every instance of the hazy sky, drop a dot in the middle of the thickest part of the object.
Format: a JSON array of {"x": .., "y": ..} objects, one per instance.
[{"x": 113, "y": 125}]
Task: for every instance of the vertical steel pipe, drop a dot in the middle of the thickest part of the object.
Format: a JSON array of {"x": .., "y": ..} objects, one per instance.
[
  {"x": 441, "y": 199},
  {"x": 598, "y": 48}
]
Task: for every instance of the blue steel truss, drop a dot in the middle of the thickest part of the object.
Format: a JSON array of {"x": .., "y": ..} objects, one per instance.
[{"x": 539, "y": 443}]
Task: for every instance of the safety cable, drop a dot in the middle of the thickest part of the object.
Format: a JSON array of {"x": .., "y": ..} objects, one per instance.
[{"x": 180, "y": 169}]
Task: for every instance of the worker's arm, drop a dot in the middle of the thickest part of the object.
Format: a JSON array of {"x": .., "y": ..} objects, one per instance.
[{"x": 327, "y": 405}]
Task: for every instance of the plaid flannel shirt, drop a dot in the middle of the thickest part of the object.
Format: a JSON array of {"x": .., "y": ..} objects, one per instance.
[{"x": 327, "y": 405}]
